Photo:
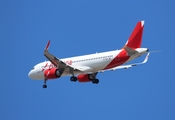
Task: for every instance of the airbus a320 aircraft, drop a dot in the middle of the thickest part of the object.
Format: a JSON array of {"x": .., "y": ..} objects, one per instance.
[{"x": 85, "y": 68}]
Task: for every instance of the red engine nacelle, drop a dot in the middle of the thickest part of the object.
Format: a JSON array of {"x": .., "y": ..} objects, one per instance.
[
  {"x": 83, "y": 78},
  {"x": 51, "y": 73}
]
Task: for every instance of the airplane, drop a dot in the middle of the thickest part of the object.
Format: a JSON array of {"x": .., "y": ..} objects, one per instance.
[{"x": 86, "y": 67}]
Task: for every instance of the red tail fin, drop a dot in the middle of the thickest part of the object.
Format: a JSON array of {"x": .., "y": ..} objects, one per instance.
[{"x": 135, "y": 40}]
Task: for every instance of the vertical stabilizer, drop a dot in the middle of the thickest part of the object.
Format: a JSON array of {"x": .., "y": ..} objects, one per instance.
[{"x": 135, "y": 39}]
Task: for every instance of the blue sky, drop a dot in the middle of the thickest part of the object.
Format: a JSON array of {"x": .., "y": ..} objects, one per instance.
[{"x": 80, "y": 27}]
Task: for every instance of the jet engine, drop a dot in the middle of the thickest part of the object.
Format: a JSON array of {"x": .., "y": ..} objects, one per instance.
[
  {"x": 83, "y": 78},
  {"x": 52, "y": 73},
  {"x": 87, "y": 78}
]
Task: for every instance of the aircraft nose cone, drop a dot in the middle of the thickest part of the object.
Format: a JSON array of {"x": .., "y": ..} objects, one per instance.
[
  {"x": 34, "y": 75},
  {"x": 30, "y": 74}
]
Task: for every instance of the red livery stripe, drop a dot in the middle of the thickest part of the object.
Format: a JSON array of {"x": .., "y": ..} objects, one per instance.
[{"x": 121, "y": 58}]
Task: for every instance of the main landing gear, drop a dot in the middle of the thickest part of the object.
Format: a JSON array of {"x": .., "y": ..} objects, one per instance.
[
  {"x": 45, "y": 86},
  {"x": 95, "y": 81},
  {"x": 85, "y": 78},
  {"x": 93, "y": 78},
  {"x": 73, "y": 78}
]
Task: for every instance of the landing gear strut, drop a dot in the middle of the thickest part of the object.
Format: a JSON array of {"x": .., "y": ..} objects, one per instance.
[
  {"x": 72, "y": 78},
  {"x": 45, "y": 86},
  {"x": 93, "y": 78}
]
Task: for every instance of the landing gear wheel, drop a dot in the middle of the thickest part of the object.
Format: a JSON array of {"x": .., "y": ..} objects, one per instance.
[
  {"x": 44, "y": 86},
  {"x": 73, "y": 78},
  {"x": 95, "y": 81}
]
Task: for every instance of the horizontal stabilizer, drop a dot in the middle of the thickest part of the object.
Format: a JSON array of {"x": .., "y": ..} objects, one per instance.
[{"x": 130, "y": 51}]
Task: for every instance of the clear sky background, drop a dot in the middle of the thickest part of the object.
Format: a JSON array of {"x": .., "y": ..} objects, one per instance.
[{"x": 80, "y": 27}]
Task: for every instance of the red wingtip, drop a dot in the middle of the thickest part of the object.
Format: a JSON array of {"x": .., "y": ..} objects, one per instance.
[{"x": 47, "y": 46}]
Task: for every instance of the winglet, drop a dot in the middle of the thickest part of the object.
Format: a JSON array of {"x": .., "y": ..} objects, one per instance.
[
  {"x": 47, "y": 46},
  {"x": 142, "y": 22},
  {"x": 144, "y": 61},
  {"x": 146, "y": 58}
]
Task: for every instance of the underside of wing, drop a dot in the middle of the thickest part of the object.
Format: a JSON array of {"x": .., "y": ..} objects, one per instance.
[
  {"x": 85, "y": 69},
  {"x": 56, "y": 61}
]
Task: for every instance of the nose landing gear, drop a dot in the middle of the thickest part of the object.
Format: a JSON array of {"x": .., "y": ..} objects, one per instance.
[{"x": 45, "y": 86}]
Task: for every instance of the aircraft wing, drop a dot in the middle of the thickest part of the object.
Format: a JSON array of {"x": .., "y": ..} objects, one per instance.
[
  {"x": 129, "y": 65},
  {"x": 56, "y": 61}
]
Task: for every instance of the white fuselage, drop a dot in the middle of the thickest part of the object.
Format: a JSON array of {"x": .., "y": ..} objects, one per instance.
[{"x": 87, "y": 63}]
